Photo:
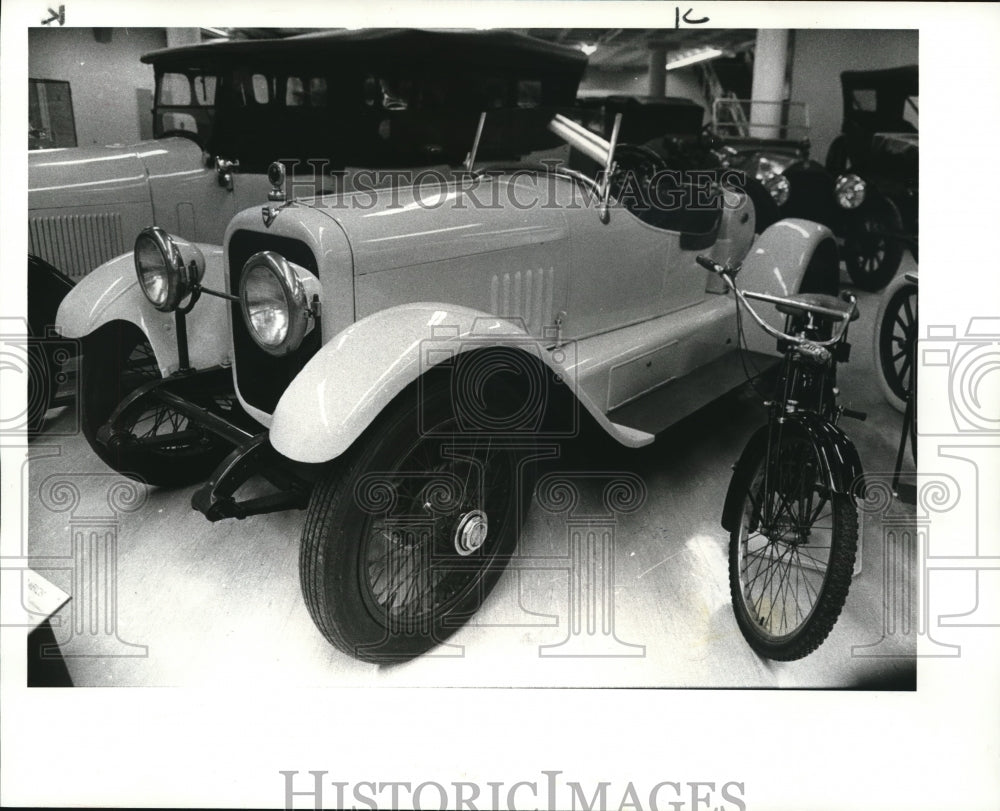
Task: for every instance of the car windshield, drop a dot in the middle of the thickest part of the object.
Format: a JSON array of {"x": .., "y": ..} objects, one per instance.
[{"x": 737, "y": 119}]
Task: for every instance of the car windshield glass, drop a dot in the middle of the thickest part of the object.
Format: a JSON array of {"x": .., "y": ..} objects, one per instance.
[{"x": 752, "y": 118}]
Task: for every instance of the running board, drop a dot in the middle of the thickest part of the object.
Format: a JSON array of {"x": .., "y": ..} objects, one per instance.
[{"x": 678, "y": 397}]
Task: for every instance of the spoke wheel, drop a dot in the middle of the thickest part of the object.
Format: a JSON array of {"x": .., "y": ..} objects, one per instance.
[
  {"x": 872, "y": 256},
  {"x": 115, "y": 361},
  {"x": 791, "y": 556},
  {"x": 895, "y": 343},
  {"x": 408, "y": 532}
]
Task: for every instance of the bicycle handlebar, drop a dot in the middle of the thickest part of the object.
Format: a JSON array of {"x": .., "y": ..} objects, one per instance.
[{"x": 728, "y": 275}]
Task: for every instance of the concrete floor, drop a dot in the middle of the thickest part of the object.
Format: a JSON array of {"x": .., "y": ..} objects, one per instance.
[{"x": 194, "y": 603}]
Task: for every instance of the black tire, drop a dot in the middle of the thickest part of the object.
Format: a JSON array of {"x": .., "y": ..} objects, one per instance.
[
  {"x": 384, "y": 522},
  {"x": 776, "y": 539},
  {"x": 871, "y": 256},
  {"x": 766, "y": 211},
  {"x": 895, "y": 336},
  {"x": 115, "y": 361},
  {"x": 43, "y": 383}
]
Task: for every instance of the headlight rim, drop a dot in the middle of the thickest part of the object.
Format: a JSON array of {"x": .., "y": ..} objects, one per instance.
[
  {"x": 296, "y": 300},
  {"x": 852, "y": 179},
  {"x": 182, "y": 276},
  {"x": 779, "y": 187}
]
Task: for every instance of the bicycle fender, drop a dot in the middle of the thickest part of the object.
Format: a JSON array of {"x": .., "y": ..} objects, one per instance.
[
  {"x": 742, "y": 471},
  {"x": 841, "y": 463}
]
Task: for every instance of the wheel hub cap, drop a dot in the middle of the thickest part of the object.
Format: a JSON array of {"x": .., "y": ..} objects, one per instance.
[{"x": 470, "y": 532}]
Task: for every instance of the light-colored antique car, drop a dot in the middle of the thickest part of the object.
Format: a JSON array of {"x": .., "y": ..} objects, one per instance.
[
  {"x": 394, "y": 359},
  {"x": 223, "y": 111}
]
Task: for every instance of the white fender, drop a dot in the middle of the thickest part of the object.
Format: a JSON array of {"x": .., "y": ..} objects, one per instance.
[
  {"x": 777, "y": 264},
  {"x": 111, "y": 293},
  {"x": 356, "y": 375}
]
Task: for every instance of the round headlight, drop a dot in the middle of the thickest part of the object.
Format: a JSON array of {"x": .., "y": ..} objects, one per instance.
[
  {"x": 849, "y": 191},
  {"x": 168, "y": 268},
  {"x": 778, "y": 187},
  {"x": 274, "y": 302}
]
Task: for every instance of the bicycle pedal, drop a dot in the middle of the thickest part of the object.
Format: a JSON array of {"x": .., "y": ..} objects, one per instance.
[{"x": 855, "y": 415}]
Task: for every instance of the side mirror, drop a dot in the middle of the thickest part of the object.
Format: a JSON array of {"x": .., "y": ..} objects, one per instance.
[{"x": 224, "y": 172}]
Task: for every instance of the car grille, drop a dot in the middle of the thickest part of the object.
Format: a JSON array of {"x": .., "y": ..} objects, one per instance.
[{"x": 263, "y": 378}]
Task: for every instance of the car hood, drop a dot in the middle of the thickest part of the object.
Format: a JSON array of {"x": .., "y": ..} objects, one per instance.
[{"x": 413, "y": 225}]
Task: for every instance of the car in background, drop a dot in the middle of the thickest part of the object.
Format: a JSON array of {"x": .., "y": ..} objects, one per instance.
[
  {"x": 674, "y": 128},
  {"x": 223, "y": 111},
  {"x": 403, "y": 356},
  {"x": 770, "y": 141},
  {"x": 880, "y": 143}
]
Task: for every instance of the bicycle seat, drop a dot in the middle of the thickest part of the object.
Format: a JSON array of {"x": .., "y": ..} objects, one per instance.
[{"x": 816, "y": 300}]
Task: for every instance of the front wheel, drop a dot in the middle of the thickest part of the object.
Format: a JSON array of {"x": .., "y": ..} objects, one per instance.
[
  {"x": 410, "y": 531},
  {"x": 873, "y": 249},
  {"x": 170, "y": 451},
  {"x": 791, "y": 556}
]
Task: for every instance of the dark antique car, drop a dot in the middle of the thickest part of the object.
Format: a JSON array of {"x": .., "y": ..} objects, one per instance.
[
  {"x": 770, "y": 141},
  {"x": 879, "y": 143},
  {"x": 223, "y": 111}
]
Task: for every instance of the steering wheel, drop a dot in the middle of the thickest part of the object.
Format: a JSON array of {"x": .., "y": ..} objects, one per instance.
[
  {"x": 191, "y": 136},
  {"x": 635, "y": 169}
]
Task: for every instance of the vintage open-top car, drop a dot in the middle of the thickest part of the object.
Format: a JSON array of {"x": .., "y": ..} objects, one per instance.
[
  {"x": 223, "y": 111},
  {"x": 879, "y": 142},
  {"x": 396, "y": 358}
]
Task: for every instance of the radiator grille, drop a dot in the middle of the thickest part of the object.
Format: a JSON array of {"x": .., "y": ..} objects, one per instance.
[
  {"x": 76, "y": 243},
  {"x": 526, "y": 294}
]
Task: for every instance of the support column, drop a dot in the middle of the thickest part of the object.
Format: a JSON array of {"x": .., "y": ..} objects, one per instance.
[
  {"x": 769, "y": 64},
  {"x": 657, "y": 70}
]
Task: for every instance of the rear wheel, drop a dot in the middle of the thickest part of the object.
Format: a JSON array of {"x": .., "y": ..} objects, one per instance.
[
  {"x": 115, "y": 361},
  {"x": 872, "y": 250},
  {"x": 410, "y": 531},
  {"x": 792, "y": 554}
]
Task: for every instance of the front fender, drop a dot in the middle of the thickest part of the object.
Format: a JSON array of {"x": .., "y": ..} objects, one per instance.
[
  {"x": 791, "y": 256},
  {"x": 840, "y": 460},
  {"x": 358, "y": 373},
  {"x": 112, "y": 293}
]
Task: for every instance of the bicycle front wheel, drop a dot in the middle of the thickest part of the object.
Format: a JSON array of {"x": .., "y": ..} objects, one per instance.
[{"x": 792, "y": 552}]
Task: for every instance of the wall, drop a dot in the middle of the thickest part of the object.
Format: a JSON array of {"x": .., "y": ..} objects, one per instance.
[
  {"x": 819, "y": 58},
  {"x": 104, "y": 77}
]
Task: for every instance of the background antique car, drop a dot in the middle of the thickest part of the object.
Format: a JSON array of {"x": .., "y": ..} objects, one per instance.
[
  {"x": 770, "y": 140},
  {"x": 880, "y": 143},
  {"x": 403, "y": 355},
  {"x": 223, "y": 111},
  {"x": 673, "y": 127}
]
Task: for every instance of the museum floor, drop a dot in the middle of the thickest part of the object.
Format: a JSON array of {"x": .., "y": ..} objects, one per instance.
[{"x": 192, "y": 603}]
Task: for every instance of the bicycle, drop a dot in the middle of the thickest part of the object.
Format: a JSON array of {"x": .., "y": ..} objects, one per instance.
[{"x": 791, "y": 506}]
